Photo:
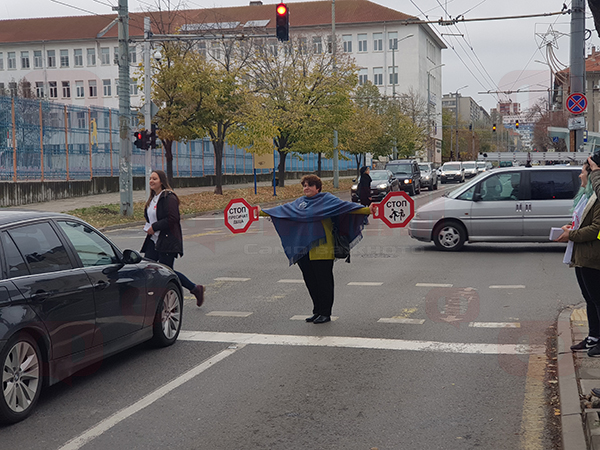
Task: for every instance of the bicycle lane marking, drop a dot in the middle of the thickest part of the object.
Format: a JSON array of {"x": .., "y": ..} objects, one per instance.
[{"x": 106, "y": 424}]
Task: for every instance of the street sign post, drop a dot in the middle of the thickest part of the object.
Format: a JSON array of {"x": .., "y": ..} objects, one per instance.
[
  {"x": 576, "y": 103},
  {"x": 239, "y": 215},
  {"x": 395, "y": 210}
]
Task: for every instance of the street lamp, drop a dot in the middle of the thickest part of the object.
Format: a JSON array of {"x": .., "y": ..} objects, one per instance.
[
  {"x": 456, "y": 109},
  {"x": 429, "y": 149},
  {"x": 395, "y": 72}
]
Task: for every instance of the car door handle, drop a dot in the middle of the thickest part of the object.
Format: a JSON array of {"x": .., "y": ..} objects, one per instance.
[
  {"x": 518, "y": 207},
  {"x": 100, "y": 285},
  {"x": 40, "y": 296}
]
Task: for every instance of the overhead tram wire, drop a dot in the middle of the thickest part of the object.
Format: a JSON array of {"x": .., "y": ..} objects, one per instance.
[{"x": 76, "y": 7}]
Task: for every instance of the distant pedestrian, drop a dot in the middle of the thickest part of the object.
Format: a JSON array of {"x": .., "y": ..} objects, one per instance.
[
  {"x": 585, "y": 256},
  {"x": 364, "y": 186},
  {"x": 164, "y": 240}
]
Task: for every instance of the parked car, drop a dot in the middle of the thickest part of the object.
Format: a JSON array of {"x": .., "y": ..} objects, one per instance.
[
  {"x": 470, "y": 168},
  {"x": 452, "y": 171},
  {"x": 70, "y": 298},
  {"x": 429, "y": 176},
  {"x": 408, "y": 174},
  {"x": 383, "y": 181},
  {"x": 516, "y": 204}
]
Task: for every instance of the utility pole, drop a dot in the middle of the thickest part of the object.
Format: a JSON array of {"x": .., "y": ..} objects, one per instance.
[
  {"x": 577, "y": 61},
  {"x": 147, "y": 98},
  {"x": 336, "y": 170},
  {"x": 125, "y": 175}
]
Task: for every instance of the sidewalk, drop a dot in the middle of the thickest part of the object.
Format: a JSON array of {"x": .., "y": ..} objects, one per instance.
[{"x": 577, "y": 375}]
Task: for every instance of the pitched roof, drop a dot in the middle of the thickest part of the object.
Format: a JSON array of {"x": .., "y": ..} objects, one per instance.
[{"x": 302, "y": 14}]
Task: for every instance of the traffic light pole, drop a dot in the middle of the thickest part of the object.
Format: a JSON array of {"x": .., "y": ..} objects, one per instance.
[
  {"x": 336, "y": 171},
  {"x": 147, "y": 99},
  {"x": 577, "y": 61}
]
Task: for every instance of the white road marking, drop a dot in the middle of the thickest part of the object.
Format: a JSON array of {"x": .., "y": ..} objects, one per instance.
[
  {"x": 229, "y": 313},
  {"x": 508, "y": 286},
  {"x": 303, "y": 317},
  {"x": 495, "y": 324},
  {"x": 219, "y": 217},
  {"x": 291, "y": 281},
  {"x": 119, "y": 416},
  {"x": 433, "y": 285},
  {"x": 365, "y": 283},
  {"x": 231, "y": 279},
  {"x": 355, "y": 342},
  {"x": 399, "y": 320}
]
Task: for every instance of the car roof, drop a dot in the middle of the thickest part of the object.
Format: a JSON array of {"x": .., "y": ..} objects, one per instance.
[
  {"x": 11, "y": 216},
  {"x": 552, "y": 167}
]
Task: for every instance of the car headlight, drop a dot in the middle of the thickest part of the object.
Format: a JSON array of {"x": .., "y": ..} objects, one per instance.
[
  {"x": 354, "y": 187},
  {"x": 407, "y": 181},
  {"x": 382, "y": 186},
  {"x": 426, "y": 177}
]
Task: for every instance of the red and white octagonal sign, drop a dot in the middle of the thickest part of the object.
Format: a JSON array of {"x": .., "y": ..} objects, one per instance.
[
  {"x": 396, "y": 209},
  {"x": 239, "y": 215}
]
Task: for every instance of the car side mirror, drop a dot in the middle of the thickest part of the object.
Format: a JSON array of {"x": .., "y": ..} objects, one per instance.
[
  {"x": 131, "y": 257},
  {"x": 354, "y": 180},
  {"x": 477, "y": 197}
]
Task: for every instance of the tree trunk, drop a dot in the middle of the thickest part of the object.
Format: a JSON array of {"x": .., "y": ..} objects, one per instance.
[
  {"x": 319, "y": 166},
  {"x": 218, "y": 147},
  {"x": 281, "y": 169},
  {"x": 168, "y": 145},
  {"x": 358, "y": 161}
]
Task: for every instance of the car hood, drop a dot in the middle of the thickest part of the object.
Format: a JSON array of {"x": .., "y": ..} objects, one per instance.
[{"x": 443, "y": 207}]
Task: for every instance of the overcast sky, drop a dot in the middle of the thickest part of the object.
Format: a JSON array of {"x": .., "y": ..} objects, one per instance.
[{"x": 486, "y": 56}]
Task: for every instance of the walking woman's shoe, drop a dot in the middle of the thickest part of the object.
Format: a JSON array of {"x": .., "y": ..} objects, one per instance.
[
  {"x": 198, "y": 292},
  {"x": 322, "y": 319},
  {"x": 312, "y": 318}
]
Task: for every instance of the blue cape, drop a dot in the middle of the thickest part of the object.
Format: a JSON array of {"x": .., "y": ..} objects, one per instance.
[{"x": 299, "y": 226}]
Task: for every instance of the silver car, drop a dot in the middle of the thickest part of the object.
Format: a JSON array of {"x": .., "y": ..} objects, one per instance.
[
  {"x": 470, "y": 168},
  {"x": 452, "y": 171},
  {"x": 514, "y": 204}
]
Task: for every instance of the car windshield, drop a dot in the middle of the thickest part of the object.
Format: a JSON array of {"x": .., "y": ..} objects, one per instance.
[
  {"x": 424, "y": 167},
  {"x": 469, "y": 165},
  {"x": 400, "y": 168},
  {"x": 481, "y": 164},
  {"x": 451, "y": 167},
  {"x": 378, "y": 175}
]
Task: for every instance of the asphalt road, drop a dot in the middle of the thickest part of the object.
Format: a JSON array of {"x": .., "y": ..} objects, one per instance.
[{"x": 428, "y": 350}]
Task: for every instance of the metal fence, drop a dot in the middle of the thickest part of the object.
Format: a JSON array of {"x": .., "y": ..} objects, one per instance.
[{"x": 41, "y": 141}]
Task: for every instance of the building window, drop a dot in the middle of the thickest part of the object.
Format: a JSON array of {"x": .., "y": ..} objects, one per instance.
[
  {"x": 378, "y": 76},
  {"x": 12, "y": 88},
  {"x": 317, "y": 45},
  {"x": 53, "y": 89},
  {"x": 347, "y": 39},
  {"x": 81, "y": 119},
  {"x": 51, "y": 58},
  {"x": 202, "y": 49},
  {"x": 24, "y": 60},
  {"x": 39, "y": 89},
  {"x": 2, "y": 89},
  {"x": 133, "y": 88},
  {"x": 78, "y": 57},
  {"x": 79, "y": 90},
  {"x": 104, "y": 56},
  {"x": 37, "y": 59},
  {"x": 11, "y": 60},
  {"x": 93, "y": 88},
  {"x": 116, "y": 50},
  {"x": 106, "y": 88},
  {"x": 215, "y": 50},
  {"x": 273, "y": 47},
  {"x": 116, "y": 87},
  {"x": 377, "y": 42},
  {"x": 303, "y": 45},
  {"x": 91, "y": 56},
  {"x": 66, "y": 87},
  {"x": 393, "y": 71},
  {"x": 1, "y": 61},
  {"x": 393, "y": 40},
  {"x": 362, "y": 42},
  {"x": 64, "y": 58},
  {"x": 132, "y": 56},
  {"x": 363, "y": 76}
]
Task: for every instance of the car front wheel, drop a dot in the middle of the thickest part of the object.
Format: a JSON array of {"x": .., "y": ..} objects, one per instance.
[
  {"x": 449, "y": 236},
  {"x": 167, "y": 321},
  {"x": 21, "y": 378}
]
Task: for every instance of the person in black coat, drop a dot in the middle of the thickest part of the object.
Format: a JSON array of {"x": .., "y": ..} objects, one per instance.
[
  {"x": 364, "y": 186},
  {"x": 164, "y": 240}
]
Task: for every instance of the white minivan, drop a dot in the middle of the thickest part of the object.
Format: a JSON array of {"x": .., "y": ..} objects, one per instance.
[{"x": 513, "y": 204}]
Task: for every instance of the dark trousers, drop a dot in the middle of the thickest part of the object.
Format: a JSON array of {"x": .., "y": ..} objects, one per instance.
[
  {"x": 589, "y": 282},
  {"x": 168, "y": 259},
  {"x": 318, "y": 276}
]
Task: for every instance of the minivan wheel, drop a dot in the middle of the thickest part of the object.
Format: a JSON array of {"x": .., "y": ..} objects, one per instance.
[
  {"x": 449, "y": 236},
  {"x": 167, "y": 321},
  {"x": 21, "y": 361}
]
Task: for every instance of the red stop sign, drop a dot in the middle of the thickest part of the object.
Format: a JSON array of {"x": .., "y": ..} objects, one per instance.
[
  {"x": 396, "y": 209},
  {"x": 239, "y": 215}
]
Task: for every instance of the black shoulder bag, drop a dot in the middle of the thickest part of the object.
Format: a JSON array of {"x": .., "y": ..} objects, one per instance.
[{"x": 341, "y": 243}]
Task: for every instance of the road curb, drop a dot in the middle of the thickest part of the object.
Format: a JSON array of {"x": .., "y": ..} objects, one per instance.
[{"x": 573, "y": 434}]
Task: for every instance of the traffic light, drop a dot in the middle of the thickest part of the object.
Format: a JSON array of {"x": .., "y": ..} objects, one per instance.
[
  {"x": 140, "y": 139},
  {"x": 282, "y": 22},
  {"x": 494, "y": 128},
  {"x": 517, "y": 124},
  {"x": 451, "y": 155},
  {"x": 152, "y": 137}
]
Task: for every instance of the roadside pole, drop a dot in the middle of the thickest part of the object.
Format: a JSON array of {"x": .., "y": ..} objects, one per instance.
[
  {"x": 147, "y": 99},
  {"x": 577, "y": 62}
]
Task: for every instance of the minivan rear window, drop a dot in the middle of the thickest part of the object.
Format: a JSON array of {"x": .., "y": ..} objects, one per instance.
[{"x": 552, "y": 184}]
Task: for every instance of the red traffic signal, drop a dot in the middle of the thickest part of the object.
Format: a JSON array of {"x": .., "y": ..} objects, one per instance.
[
  {"x": 140, "y": 139},
  {"x": 282, "y": 22}
]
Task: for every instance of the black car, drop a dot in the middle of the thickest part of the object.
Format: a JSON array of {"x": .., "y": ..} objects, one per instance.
[
  {"x": 70, "y": 298},
  {"x": 383, "y": 181},
  {"x": 408, "y": 174}
]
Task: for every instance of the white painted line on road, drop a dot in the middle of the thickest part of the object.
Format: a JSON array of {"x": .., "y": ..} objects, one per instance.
[
  {"x": 231, "y": 279},
  {"x": 495, "y": 324},
  {"x": 219, "y": 217},
  {"x": 291, "y": 281},
  {"x": 304, "y": 316},
  {"x": 398, "y": 320},
  {"x": 355, "y": 342},
  {"x": 229, "y": 313},
  {"x": 433, "y": 285},
  {"x": 127, "y": 412},
  {"x": 365, "y": 283},
  {"x": 508, "y": 286}
]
